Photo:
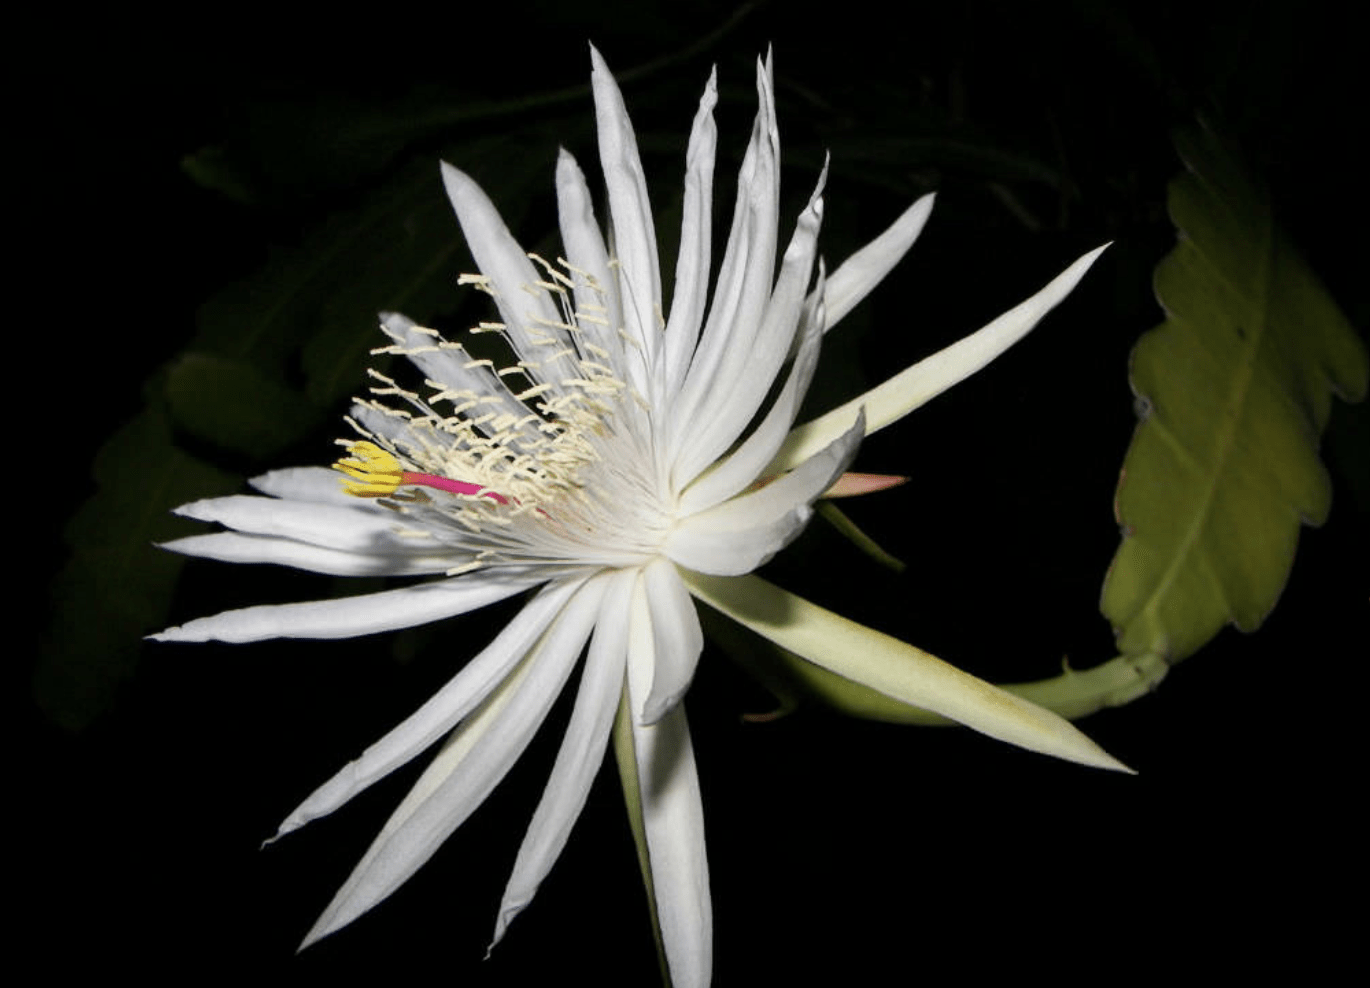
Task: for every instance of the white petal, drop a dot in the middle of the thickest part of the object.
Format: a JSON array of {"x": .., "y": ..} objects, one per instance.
[
  {"x": 740, "y": 468},
  {"x": 442, "y": 712},
  {"x": 739, "y": 535},
  {"x": 743, "y": 383},
  {"x": 360, "y": 527},
  {"x": 673, "y": 819},
  {"x": 581, "y": 753},
  {"x": 531, "y": 321},
  {"x": 925, "y": 380},
  {"x": 350, "y": 617},
  {"x": 692, "y": 264},
  {"x": 235, "y": 547},
  {"x": 630, "y": 212},
  {"x": 597, "y": 303},
  {"x": 677, "y": 639},
  {"x": 895, "y": 668},
  {"x": 744, "y": 278},
  {"x": 320, "y": 484},
  {"x": 469, "y": 766},
  {"x": 865, "y": 269}
]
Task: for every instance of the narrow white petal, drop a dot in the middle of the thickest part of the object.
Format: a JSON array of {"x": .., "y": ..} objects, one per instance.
[
  {"x": 350, "y": 617},
  {"x": 597, "y": 302},
  {"x": 319, "y": 484},
  {"x": 581, "y": 753},
  {"x": 472, "y": 762},
  {"x": 630, "y": 212},
  {"x": 360, "y": 527},
  {"x": 529, "y": 316},
  {"x": 442, "y": 712},
  {"x": 889, "y": 402},
  {"x": 739, "y": 469},
  {"x": 737, "y": 536},
  {"x": 743, "y": 383},
  {"x": 235, "y": 547},
  {"x": 673, "y": 818},
  {"x": 692, "y": 264},
  {"x": 677, "y": 638},
  {"x": 865, "y": 269},
  {"x": 894, "y": 668},
  {"x": 744, "y": 278}
]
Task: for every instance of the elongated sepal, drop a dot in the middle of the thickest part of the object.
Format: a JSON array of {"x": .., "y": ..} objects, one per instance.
[{"x": 894, "y": 668}]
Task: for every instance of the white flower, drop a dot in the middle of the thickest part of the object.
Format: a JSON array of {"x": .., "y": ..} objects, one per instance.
[{"x": 612, "y": 470}]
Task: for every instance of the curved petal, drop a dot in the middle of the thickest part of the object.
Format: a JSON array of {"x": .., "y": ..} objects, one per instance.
[
  {"x": 737, "y": 536},
  {"x": 673, "y": 821},
  {"x": 865, "y": 269},
  {"x": 442, "y": 712},
  {"x": 742, "y": 384},
  {"x": 745, "y": 275},
  {"x": 235, "y": 547},
  {"x": 630, "y": 213},
  {"x": 581, "y": 753},
  {"x": 744, "y": 465},
  {"x": 691, "y": 291},
  {"x": 319, "y": 484},
  {"x": 360, "y": 527},
  {"x": 889, "y": 402},
  {"x": 532, "y": 323},
  {"x": 351, "y": 617},
  {"x": 677, "y": 639},
  {"x": 894, "y": 668},
  {"x": 597, "y": 307},
  {"x": 469, "y": 766}
]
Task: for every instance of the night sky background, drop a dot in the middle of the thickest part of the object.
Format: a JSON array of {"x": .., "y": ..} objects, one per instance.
[{"x": 839, "y": 849}]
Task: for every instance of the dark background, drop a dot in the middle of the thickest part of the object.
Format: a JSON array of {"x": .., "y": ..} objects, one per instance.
[{"x": 837, "y": 847}]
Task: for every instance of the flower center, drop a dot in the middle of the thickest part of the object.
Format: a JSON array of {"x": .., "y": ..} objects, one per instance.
[{"x": 560, "y": 472}]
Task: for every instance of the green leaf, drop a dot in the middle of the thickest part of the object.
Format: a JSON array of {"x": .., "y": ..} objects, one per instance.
[
  {"x": 1234, "y": 390},
  {"x": 115, "y": 586},
  {"x": 230, "y": 403},
  {"x": 625, "y": 755}
]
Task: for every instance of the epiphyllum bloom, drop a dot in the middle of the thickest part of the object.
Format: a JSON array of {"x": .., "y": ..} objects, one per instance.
[{"x": 613, "y": 469}]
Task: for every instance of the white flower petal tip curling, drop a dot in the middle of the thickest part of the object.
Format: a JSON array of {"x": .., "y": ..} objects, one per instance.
[{"x": 629, "y": 448}]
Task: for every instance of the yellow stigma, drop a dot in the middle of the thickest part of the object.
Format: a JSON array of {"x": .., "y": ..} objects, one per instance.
[{"x": 374, "y": 472}]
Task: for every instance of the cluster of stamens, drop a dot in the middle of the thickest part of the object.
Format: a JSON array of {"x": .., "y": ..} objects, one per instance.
[{"x": 509, "y": 475}]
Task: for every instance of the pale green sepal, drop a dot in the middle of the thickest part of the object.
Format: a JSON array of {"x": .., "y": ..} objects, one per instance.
[
  {"x": 1072, "y": 694},
  {"x": 838, "y": 519},
  {"x": 887, "y": 403},
  {"x": 625, "y": 756},
  {"x": 894, "y": 668}
]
